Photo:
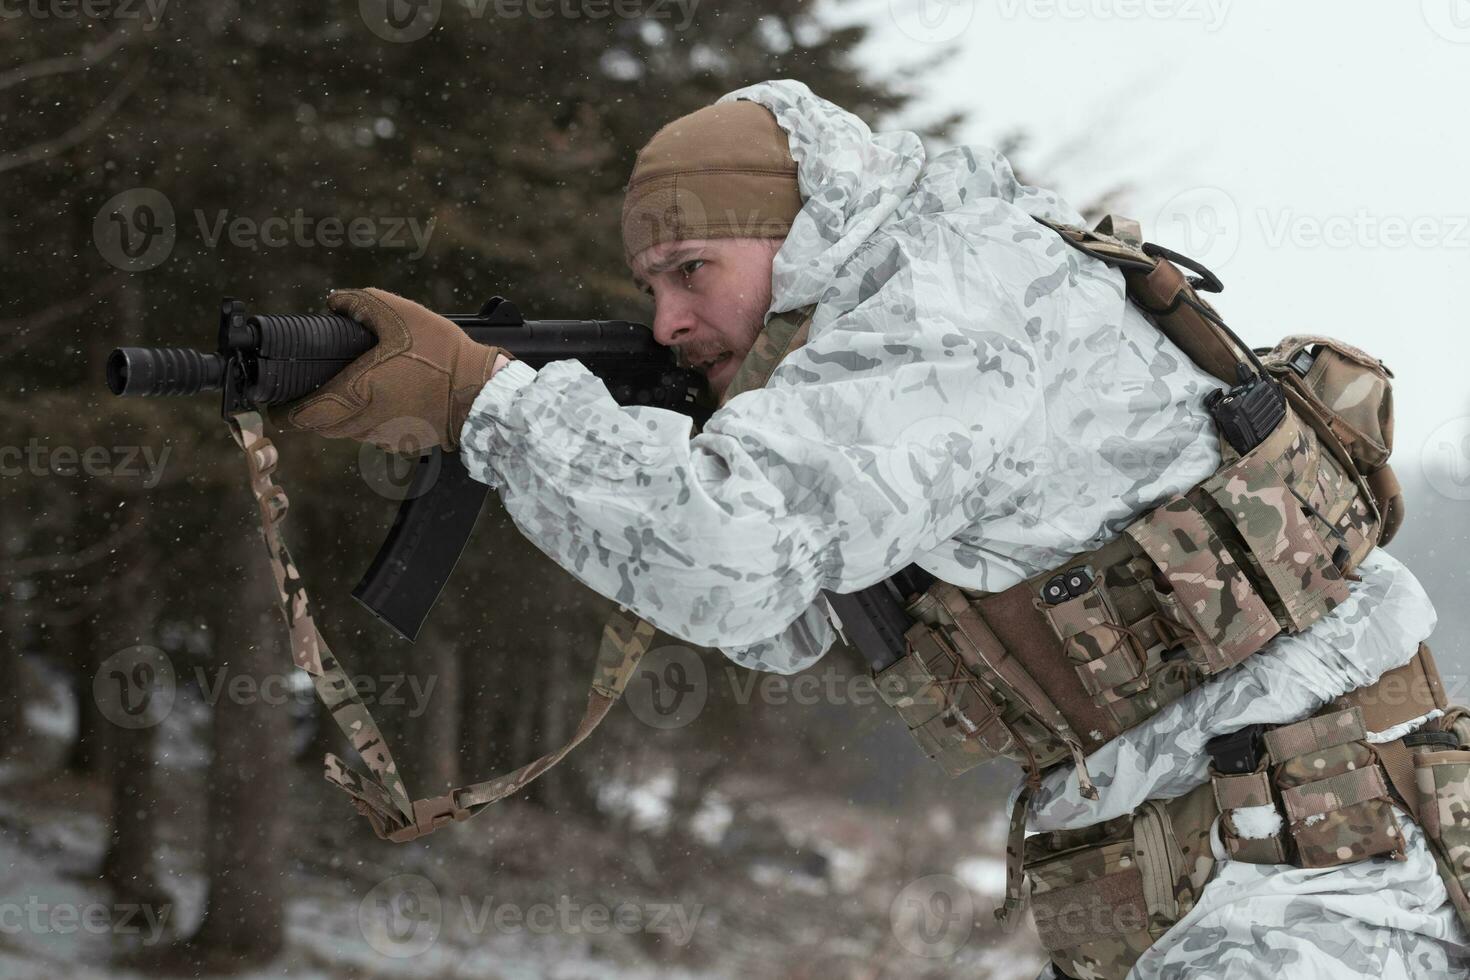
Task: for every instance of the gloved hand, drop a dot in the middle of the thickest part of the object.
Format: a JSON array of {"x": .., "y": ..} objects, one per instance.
[{"x": 412, "y": 391}]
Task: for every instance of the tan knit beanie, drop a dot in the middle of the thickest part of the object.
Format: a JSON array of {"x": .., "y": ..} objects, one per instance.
[{"x": 722, "y": 172}]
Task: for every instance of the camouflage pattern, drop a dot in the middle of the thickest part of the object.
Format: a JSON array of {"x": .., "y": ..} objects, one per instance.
[
  {"x": 781, "y": 335},
  {"x": 1334, "y": 793},
  {"x": 382, "y": 795},
  {"x": 1350, "y": 385},
  {"x": 1244, "y": 791},
  {"x": 1108, "y": 658},
  {"x": 1103, "y": 895},
  {"x": 625, "y": 639},
  {"x": 1443, "y": 782},
  {"x": 917, "y": 423},
  {"x": 1255, "y": 496},
  {"x": 977, "y": 397},
  {"x": 1259, "y": 920},
  {"x": 1229, "y": 620}
]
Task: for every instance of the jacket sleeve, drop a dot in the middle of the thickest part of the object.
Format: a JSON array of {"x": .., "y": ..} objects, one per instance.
[{"x": 863, "y": 450}]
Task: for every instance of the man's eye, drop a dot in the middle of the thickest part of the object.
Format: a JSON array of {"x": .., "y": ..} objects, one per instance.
[{"x": 688, "y": 267}]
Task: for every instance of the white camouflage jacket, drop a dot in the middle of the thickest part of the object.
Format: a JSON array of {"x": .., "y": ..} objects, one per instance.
[{"x": 980, "y": 399}]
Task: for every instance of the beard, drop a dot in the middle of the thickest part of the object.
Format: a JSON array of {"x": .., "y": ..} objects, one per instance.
[{"x": 747, "y": 320}]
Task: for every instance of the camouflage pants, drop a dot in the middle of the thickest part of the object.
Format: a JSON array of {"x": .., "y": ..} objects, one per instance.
[{"x": 1375, "y": 918}]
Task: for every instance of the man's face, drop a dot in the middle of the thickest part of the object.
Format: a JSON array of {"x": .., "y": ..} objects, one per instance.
[{"x": 710, "y": 299}]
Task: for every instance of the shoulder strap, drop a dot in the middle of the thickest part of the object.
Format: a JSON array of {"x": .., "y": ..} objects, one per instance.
[{"x": 1158, "y": 287}]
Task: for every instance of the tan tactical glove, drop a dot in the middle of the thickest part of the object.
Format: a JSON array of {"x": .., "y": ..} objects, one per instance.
[{"x": 412, "y": 391}]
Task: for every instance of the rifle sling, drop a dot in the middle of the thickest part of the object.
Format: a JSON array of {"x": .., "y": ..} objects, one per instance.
[{"x": 381, "y": 794}]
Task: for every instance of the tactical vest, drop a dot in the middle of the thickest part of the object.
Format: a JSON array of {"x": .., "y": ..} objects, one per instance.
[{"x": 1058, "y": 665}]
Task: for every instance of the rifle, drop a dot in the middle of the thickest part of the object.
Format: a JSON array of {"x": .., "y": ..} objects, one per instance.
[{"x": 264, "y": 360}]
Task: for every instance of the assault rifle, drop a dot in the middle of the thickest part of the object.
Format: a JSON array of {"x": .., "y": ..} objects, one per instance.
[{"x": 264, "y": 360}]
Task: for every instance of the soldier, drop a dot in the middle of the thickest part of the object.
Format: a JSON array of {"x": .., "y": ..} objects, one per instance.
[{"x": 912, "y": 369}]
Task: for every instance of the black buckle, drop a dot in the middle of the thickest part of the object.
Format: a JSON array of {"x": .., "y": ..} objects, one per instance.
[{"x": 1238, "y": 752}]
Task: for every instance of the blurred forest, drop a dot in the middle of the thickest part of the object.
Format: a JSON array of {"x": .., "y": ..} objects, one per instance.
[{"x": 789, "y": 824}]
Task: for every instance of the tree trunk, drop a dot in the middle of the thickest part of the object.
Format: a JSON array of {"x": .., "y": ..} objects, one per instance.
[
  {"x": 128, "y": 865},
  {"x": 12, "y": 627},
  {"x": 245, "y": 860}
]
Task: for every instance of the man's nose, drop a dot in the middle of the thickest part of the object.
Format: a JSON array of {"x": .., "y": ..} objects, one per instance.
[{"x": 673, "y": 320}]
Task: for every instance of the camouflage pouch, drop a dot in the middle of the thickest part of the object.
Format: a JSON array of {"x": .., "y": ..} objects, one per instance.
[
  {"x": 1201, "y": 587},
  {"x": 1350, "y": 387},
  {"x": 948, "y": 712},
  {"x": 1107, "y": 656},
  {"x": 1247, "y": 812},
  {"x": 1255, "y": 494},
  {"x": 1334, "y": 792},
  {"x": 1102, "y": 895},
  {"x": 1348, "y": 396},
  {"x": 1442, "y": 780}
]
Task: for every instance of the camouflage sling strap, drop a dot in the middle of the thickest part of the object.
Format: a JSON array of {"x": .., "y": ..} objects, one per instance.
[{"x": 381, "y": 795}]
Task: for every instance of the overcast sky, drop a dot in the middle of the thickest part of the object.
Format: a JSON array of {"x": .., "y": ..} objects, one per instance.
[{"x": 1314, "y": 154}]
